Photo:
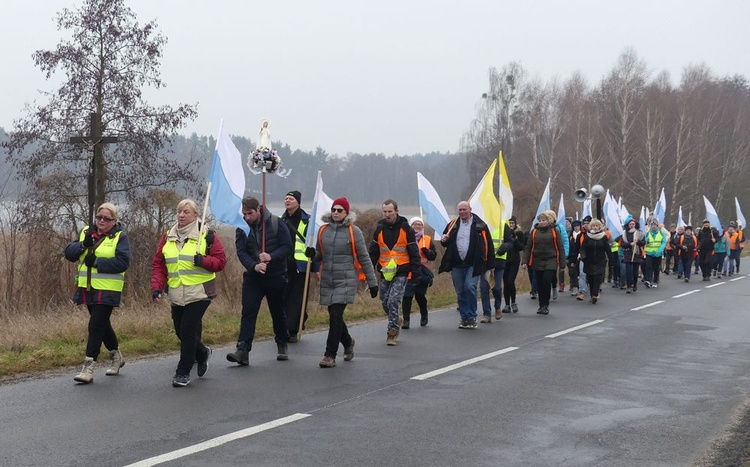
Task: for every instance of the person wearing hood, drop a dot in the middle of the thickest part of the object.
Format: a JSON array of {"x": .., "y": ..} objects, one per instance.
[
  {"x": 706, "y": 240},
  {"x": 594, "y": 253},
  {"x": 631, "y": 245},
  {"x": 545, "y": 255},
  {"x": 512, "y": 264},
  {"x": 340, "y": 245},
  {"x": 427, "y": 253},
  {"x": 686, "y": 246},
  {"x": 395, "y": 255},
  {"x": 103, "y": 253},
  {"x": 264, "y": 253},
  {"x": 656, "y": 243},
  {"x": 184, "y": 266}
]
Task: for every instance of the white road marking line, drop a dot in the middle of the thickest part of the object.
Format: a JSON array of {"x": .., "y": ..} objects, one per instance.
[
  {"x": 576, "y": 328},
  {"x": 686, "y": 294},
  {"x": 715, "y": 285},
  {"x": 212, "y": 443},
  {"x": 647, "y": 305},
  {"x": 736, "y": 278},
  {"x": 458, "y": 365}
]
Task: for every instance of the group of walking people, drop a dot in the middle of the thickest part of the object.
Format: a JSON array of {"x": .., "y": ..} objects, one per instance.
[{"x": 394, "y": 266}]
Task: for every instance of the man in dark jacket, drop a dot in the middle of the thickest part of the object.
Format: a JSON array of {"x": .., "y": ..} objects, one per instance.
[
  {"x": 263, "y": 253},
  {"x": 469, "y": 253},
  {"x": 395, "y": 254},
  {"x": 298, "y": 222}
]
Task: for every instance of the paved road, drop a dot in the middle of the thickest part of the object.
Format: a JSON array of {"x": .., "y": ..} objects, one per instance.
[{"x": 648, "y": 379}]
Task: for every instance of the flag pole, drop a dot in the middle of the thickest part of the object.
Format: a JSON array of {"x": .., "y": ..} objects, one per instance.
[
  {"x": 203, "y": 213},
  {"x": 304, "y": 298}
]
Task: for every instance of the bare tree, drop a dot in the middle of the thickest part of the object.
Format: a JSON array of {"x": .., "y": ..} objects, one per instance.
[{"x": 108, "y": 62}]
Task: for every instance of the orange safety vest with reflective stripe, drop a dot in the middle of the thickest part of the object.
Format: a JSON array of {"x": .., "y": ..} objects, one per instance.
[
  {"x": 732, "y": 240},
  {"x": 424, "y": 242},
  {"x": 554, "y": 239},
  {"x": 398, "y": 253}
]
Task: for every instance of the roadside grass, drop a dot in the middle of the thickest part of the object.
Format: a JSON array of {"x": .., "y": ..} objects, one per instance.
[{"x": 36, "y": 342}]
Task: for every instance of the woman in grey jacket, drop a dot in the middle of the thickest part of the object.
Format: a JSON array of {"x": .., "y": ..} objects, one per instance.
[{"x": 339, "y": 240}]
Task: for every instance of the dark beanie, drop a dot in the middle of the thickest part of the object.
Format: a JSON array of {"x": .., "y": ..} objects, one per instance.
[
  {"x": 343, "y": 202},
  {"x": 296, "y": 195},
  {"x": 575, "y": 223},
  {"x": 587, "y": 219}
]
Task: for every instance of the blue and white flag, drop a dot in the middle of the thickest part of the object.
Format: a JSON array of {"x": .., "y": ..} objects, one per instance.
[
  {"x": 612, "y": 215},
  {"x": 431, "y": 205},
  {"x": 642, "y": 220},
  {"x": 680, "y": 221},
  {"x": 660, "y": 210},
  {"x": 712, "y": 216},
  {"x": 322, "y": 203},
  {"x": 586, "y": 211},
  {"x": 227, "y": 182},
  {"x": 561, "y": 211},
  {"x": 740, "y": 218},
  {"x": 544, "y": 204}
]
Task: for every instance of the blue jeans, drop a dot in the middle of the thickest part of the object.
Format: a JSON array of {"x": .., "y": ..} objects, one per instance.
[
  {"x": 497, "y": 292},
  {"x": 465, "y": 284}
]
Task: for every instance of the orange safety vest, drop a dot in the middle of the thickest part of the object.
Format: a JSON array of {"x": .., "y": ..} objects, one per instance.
[
  {"x": 398, "y": 253},
  {"x": 425, "y": 242},
  {"x": 554, "y": 239},
  {"x": 732, "y": 240}
]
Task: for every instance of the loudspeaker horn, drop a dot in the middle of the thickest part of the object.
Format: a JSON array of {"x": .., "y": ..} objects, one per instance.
[{"x": 580, "y": 195}]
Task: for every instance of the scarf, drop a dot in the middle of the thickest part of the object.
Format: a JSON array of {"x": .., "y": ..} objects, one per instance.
[
  {"x": 595, "y": 236},
  {"x": 182, "y": 234}
]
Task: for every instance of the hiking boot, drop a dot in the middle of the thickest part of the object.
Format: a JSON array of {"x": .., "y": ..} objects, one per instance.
[
  {"x": 281, "y": 354},
  {"x": 487, "y": 319},
  {"x": 349, "y": 352},
  {"x": 594, "y": 299},
  {"x": 203, "y": 365},
  {"x": 116, "y": 363},
  {"x": 514, "y": 307},
  {"x": 405, "y": 324},
  {"x": 423, "y": 322},
  {"x": 499, "y": 314},
  {"x": 180, "y": 381},
  {"x": 240, "y": 356},
  {"x": 506, "y": 309},
  {"x": 86, "y": 375},
  {"x": 327, "y": 362},
  {"x": 392, "y": 337},
  {"x": 580, "y": 296}
]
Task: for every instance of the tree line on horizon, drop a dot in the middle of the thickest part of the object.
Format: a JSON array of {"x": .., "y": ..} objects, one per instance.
[{"x": 634, "y": 132}]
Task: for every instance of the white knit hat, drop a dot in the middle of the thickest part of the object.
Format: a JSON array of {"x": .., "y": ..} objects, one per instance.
[{"x": 416, "y": 219}]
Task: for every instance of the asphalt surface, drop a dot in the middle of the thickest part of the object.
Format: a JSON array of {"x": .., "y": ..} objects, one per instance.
[{"x": 656, "y": 378}]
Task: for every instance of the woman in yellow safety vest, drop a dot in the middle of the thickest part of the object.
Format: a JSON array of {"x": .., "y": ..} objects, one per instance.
[
  {"x": 185, "y": 265},
  {"x": 103, "y": 253}
]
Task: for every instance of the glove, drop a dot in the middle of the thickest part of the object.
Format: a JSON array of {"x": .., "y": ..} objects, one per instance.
[
  {"x": 156, "y": 294},
  {"x": 198, "y": 260},
  {"x": 89, "y": 260},
  {"x": 88, "y": 239},
  {"x": 374, "y": 291},
  {"x": 425, "y": 251},
  {"x": 310, "y": 252}
]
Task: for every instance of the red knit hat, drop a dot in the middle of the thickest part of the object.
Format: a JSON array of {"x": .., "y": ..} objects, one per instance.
[{"x": 343, "y": 202}]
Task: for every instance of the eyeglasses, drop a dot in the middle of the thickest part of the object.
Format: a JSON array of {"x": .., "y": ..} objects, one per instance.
[
  {"x": 337, "y": 209},
  {"x": 104, "y": 219}
]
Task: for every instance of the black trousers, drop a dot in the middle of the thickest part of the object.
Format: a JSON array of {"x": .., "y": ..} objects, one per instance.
[
  {"x": 652, "y": 269},
  {"x": 100, "y": 330},
  {"x": 509, "y": 282},
  {"x": 337, "y": 330},
  {"x": 669, "y": 256},
  {"x": 705, "y": 259},
  {"x": 545, "y": 280},
  {"x": 595, "y": 283},
  {"x": 254, "y": 289},
  {"x": 295, "y": 288},
  {"x": 406, "y": 305},
  {"x": 188, "y": 325}
]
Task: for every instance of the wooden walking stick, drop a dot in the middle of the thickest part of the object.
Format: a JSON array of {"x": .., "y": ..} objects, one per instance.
[{"x": 204, "y": 225}]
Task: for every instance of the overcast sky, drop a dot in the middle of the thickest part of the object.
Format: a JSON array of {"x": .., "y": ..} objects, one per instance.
[{"x": 387, "y": 76}]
